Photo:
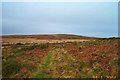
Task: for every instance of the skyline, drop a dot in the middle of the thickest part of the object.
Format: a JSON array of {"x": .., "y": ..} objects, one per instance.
[
  {"x": 60, "y": 1},
  {"x": 97, "y": 19}
]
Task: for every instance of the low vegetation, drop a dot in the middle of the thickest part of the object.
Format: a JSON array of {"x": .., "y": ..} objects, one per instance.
[{"x": 61, "y": 60}]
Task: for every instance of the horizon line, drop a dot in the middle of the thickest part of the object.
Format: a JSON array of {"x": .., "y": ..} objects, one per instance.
[{"x": 55, "y": 34}]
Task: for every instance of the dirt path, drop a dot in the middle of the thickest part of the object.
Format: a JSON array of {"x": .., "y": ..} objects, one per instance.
[
  {"x": 62, "y": 64},
  {"x": 42, "y": 71},
  {"x": 58, "y": 64}
]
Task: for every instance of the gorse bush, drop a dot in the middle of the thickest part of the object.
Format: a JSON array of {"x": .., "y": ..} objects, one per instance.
[
  {"x": 40, "y": 46},
  {"x": 81, "y": 65},
  {"x": 19, "y": 44},
  {"x": 43, "y": 46},
  {"x": 28, "y": 66},
  {"x": 10, "y": 67}
]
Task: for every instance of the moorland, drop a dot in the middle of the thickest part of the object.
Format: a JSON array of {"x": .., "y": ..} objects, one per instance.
[{"x": 59, "y": 56}]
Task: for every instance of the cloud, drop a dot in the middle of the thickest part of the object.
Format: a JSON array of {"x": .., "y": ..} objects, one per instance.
[{"x": 92, "y": 19}]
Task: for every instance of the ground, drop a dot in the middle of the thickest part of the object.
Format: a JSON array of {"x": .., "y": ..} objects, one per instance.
[{"x": 66, "y": 59}]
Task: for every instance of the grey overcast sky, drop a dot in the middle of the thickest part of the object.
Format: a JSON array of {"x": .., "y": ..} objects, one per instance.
[{"x": 98, "y": 19}]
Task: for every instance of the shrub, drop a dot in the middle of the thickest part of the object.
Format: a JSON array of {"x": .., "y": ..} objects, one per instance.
[
  {"x": 28, "y": 66},
  {"x": 19, "y": 44},
  {"x": 81, "y": 65},
  {"x": 10, "y": 67},
  {"x": 42, "y": 46}
]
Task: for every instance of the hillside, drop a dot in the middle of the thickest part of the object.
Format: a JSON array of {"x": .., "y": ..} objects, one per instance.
[
  {"x": 75, "y": 59},
  {"x": 50, "y": 36}
]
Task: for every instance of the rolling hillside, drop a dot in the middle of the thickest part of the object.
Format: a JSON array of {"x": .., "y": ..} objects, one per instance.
[{"x": 50, "y": 36}]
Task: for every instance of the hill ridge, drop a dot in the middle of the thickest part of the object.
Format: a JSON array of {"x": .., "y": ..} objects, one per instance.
[{"x": 50, "y": 36}]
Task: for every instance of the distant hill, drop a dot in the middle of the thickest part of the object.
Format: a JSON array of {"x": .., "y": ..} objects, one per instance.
[{"x": 50, "y": 36}]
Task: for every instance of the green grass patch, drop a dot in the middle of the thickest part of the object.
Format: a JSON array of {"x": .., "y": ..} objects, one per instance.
[
  {"x": 43, "y": 68},
  {"x": 47, "y": 60}
]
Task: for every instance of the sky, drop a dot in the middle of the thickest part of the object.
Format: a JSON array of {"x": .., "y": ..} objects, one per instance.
[
  {"x": 60, "y": 0},
  {"x": 97, "y": 19}
]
